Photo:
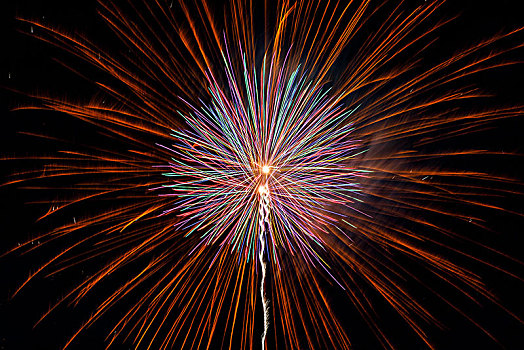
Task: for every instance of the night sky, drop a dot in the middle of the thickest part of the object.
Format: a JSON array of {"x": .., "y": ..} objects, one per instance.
[{"x": 29, "y": 65}]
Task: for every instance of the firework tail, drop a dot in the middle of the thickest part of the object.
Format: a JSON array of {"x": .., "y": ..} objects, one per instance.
[{"x": 264, "y": 222}]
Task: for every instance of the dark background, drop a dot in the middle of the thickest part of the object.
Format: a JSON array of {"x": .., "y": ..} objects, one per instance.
[{"x": 28, "y": 66}]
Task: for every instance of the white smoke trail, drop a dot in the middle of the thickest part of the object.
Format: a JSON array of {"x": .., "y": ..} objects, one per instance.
[{"x": 263, "y": 220}]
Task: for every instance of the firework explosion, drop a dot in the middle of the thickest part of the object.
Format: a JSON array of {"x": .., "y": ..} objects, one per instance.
[
  {"x": 289, "y": 152},
  {"x": 282, "y": 162},
  {"x": 227, "y": 187}
]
